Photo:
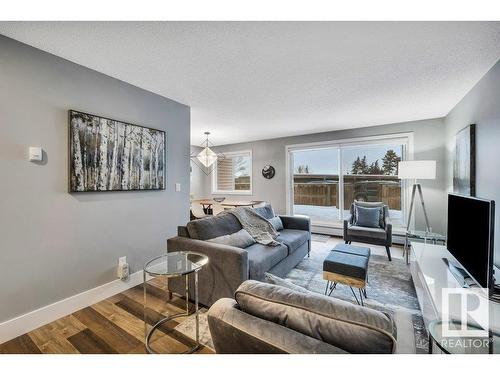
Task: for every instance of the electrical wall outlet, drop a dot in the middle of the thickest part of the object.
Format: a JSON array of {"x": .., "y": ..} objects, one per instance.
[
  {"x": 122, "y": 271},
  {"x": 177, "y": 187}
]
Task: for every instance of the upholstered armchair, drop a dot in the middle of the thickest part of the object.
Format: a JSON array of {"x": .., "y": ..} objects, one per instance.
[{"x": 380, "y": 234}]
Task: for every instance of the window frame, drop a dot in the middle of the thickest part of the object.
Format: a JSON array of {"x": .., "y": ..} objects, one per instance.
[
  {"x": 234, "y": 192},
  {"x": 406, "y": 140}
]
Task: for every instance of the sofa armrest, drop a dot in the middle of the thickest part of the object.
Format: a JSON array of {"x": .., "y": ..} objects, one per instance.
[
  {"x": 236, "y": 332},
  {"x": 227, "y": 268},
  {"x": 296, "y": 222}
]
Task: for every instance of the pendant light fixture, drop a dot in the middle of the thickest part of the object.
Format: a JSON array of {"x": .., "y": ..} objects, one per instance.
[{"x": 206, "y": 159}]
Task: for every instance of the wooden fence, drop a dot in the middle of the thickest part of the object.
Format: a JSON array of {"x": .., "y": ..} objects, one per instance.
[
  {"x": 322, "y": 190},
  {"x": 315, "y": 194}
]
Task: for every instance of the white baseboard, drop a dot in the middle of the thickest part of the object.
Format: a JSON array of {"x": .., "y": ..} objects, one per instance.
[{"x": 34, "y": 319}]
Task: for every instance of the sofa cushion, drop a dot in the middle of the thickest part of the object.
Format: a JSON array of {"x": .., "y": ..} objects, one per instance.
[
  {"x": 353, "y": 328},
  {"x": 266, "y": 211},
  {"x": 367, "y": 216},
  {"x": 213, "y": 226},
  {"x": 262, "y": 258},
  {"x": 293, "y": 238},
  {"x": 276, "y": 222},
  {"x": 379, "y": 233},
  {"x": 239, "y": 239}
]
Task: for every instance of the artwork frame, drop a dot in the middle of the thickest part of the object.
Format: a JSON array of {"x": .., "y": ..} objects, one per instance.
[
  {"x": 108, "y": 155},
  {"x": 464, "y": 162}
]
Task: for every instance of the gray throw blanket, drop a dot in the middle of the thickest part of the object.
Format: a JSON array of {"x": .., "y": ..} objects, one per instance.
[{"x": 259, "y": 228}]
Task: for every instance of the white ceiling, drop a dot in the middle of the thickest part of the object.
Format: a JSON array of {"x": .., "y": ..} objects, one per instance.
[{"x": 256, "y": 80}]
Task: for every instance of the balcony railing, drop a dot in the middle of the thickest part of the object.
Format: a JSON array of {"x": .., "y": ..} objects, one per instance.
[{"x": 323, "y": 189}]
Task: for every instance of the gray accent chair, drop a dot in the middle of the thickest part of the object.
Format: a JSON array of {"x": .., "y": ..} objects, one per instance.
[
  {"x": 381, "y": 236},
  {"x": 229, "y": 266},
  {"x": 264, "y": 318}
]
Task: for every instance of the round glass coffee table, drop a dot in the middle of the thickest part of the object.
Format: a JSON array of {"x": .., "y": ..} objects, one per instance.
[
  {"x": 480, "y": 343},
  {"x": 175, "y": 264}
]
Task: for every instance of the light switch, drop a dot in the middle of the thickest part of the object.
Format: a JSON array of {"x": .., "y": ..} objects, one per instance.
[
  {"x": 177, "y": 187},
  {"x": 36, "y": 154}
]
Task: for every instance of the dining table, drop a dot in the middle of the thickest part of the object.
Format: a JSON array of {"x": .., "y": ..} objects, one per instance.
[{"x": 227, "y": 203}]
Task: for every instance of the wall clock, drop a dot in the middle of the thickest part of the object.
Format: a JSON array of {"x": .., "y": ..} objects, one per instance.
[{"x": 268, "y": 172}]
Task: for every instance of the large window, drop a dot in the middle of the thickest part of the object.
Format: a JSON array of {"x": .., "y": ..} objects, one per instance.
[
  {"x": 371, "y": 175},
  {"x": 316, "y": 183},
  {"x": 233, "y": 174},
  {"x": 327, "y": 177}
]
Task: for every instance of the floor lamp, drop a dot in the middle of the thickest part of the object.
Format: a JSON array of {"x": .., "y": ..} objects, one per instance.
[{"x": 417, "y": 170}]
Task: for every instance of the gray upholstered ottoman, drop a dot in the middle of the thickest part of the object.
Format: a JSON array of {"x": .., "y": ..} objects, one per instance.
[{"x": 347, "y": 264}]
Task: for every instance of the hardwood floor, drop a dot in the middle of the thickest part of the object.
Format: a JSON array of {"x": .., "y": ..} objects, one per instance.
[{"x": 112, "y": 326}]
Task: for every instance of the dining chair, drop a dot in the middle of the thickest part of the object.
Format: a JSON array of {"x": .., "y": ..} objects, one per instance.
[
  {"x": 197, "y": 210},
  {"x": 217, "y": 208}
]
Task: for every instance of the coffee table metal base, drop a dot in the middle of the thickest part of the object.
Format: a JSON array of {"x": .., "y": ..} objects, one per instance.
[{"x": 158, "y": 324}]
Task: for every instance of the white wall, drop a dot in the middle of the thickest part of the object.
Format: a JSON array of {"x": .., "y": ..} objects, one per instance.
[{"x": 54, "y": 244}]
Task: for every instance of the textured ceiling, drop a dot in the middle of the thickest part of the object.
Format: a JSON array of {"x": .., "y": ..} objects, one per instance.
[{"x": 255, "y": 80}]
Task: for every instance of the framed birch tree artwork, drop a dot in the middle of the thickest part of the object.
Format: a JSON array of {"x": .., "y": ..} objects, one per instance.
[{"x": 110, "y": 155}]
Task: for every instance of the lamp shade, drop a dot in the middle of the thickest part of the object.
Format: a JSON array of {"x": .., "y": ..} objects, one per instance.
[{"x": 417, "y": 169}]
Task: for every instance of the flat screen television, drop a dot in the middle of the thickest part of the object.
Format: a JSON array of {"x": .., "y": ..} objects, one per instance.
[{"x": 470, "y": 236}]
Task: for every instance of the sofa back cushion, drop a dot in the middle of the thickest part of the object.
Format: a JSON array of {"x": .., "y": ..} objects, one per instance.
[
  {"x": 213, "y": 226},
  {"x": 355, "y": 329},
  {"x": 239, "y": 239}
]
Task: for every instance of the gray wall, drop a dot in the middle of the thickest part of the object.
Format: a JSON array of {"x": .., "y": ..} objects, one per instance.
[
  {"x": 481, "y": 106},
  {"x": 429, "y": 143},
  {"x": 54, "y": 244}
]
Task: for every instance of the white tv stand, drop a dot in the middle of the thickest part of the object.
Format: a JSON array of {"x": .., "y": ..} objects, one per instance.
[{"x": 431, "y": 274}]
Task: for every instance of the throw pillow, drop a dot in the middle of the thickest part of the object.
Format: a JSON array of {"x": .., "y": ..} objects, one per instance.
[
  {"x": 370, "y": 205},
  {"x": 367, "y": 217},
  {"x": 277, "y": 223},
  {"x": 266, "y": 211},
  {"x": 241, "y": 239},
  {"x": 275, "y": 280}
]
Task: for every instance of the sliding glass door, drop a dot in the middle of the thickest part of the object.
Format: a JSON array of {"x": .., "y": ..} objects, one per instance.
[
  {"x": 326, "y": 178},
  {"x": 370, "y": 174},
  {"x": 316, "y": 183}
]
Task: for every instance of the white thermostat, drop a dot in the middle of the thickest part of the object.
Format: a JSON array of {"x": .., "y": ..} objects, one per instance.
[{"x": 36, "y": 154}]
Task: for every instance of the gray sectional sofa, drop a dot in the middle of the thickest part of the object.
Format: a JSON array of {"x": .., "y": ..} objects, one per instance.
[{"x": 229, "y": 266}]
